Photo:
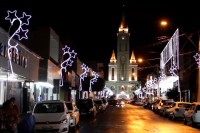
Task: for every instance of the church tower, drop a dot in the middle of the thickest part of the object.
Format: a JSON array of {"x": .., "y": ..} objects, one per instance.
[
  {"x": 123, "y": 51},
  {"x": 122, "y": 73}
]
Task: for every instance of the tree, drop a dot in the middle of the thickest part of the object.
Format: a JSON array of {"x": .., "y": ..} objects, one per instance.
[
  {"x": 99, "y": 85},
  {"x": 86, "y": 83},
  {"x": 173, "y": 94}
]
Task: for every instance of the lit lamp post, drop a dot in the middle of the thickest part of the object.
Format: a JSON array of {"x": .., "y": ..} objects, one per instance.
[
  {"x": 140, "y": 60},
  {"x": 163, "y": 23}
]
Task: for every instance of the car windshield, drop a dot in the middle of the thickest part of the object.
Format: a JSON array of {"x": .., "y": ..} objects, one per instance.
[
  {"x": 168, "y": 103},
  {"x": 84, "y": 103},
  {"x": 184, "y": 105},
  {"x": 98, "y": 101},
  {"x": 49, "y": 108}
]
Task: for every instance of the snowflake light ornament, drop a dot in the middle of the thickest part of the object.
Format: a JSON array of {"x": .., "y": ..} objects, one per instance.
[
  {"x": 19, "y": 32},
  {"x": 197, "y": 59},
  {"x": 67, "y": 62},
  {"x": 173, "y": 70}
]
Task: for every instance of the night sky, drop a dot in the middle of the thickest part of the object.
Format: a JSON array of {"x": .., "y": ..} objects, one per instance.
[{"x": 92, "y": 26}]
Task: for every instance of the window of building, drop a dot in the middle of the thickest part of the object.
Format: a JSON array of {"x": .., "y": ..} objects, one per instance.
[
  {"x": 133, "y": 74},
  {"x": 113, "y": 73}
]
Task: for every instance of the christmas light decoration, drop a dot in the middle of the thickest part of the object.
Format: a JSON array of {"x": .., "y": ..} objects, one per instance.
[
  {"x": 161, "y": 77},
  {"x": 197, "y": 58},
  {"x": 85, "y": 69},
  {"x": 93, "y": 80},
  {"x": 173, "y": 70},
  {"x": 19, "y": 32},
  {"x": 151, "y": 85},
  {"x": 67, "y": 62}
]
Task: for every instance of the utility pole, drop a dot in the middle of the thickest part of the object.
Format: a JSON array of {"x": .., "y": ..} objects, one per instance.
[{"x": 198, "y": 77}]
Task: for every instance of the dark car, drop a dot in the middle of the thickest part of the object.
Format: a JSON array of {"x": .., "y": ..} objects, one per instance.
[
  {"x": 87, "y": 107},
  {"x": 99, "y": 105},
  {"x": 112, "y": 102}
]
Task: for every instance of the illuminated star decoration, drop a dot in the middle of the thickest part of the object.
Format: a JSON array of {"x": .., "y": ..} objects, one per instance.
[
  {"x": 173, "y": 69},
  {"x": 19, "y": 32},
  {"x": 197, "y": 58},
  {"x": 94, "y": 79},
  {"x": 67, "y": 62},
  {"x": 85, "y": 69}
]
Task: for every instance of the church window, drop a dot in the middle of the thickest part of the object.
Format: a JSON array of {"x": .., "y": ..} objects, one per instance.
[
  {"x": 113, "y": 73},
  {"x": 133, "y": 74}
]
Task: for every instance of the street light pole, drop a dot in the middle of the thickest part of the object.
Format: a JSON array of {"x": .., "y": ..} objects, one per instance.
[{"x": 198, "y": 91}]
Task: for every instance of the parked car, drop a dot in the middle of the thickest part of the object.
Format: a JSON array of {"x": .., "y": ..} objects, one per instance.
[
  {"x": 162, "y": 109},
  {"x": 159, "y": 105},
  {"x": 51, "y": 116},
  {"x": 120, "y": 103},
  {"x": 87, "y": 107},
  {"x": 192, "y": 115},
  {"x": 112, "y": 102},
  {"x": 153, "y": 105},
  {"x": 99, "y": 105},
  {"x": 177, "y": 110},
  {"x": 74, "y": 114}
]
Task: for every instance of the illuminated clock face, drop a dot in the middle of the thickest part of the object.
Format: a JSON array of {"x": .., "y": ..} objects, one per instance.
[
  {"x": 123, "y": 58},
  {"x": 123, "y": 37}
]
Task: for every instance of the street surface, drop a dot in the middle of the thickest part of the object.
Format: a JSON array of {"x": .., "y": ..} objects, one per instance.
[{"x": 132, "y": 119}]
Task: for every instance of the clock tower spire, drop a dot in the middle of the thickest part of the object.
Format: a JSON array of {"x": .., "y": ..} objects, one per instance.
[{"x": 122, "y": 73}]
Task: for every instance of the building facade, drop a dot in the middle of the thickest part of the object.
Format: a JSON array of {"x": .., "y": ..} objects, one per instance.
[
  {"x": 123, "y": 70},
  {"x": 22, "y": 66},
  {"x": 47, "y": 87}
]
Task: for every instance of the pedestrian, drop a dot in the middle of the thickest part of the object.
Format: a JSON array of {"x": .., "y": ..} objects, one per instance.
[
  {"x": 15, "y": 108},
  {"x": 10, "y": 114}
]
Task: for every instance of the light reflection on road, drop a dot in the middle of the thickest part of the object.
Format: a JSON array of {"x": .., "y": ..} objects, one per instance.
[{"x": 132, "y": 119}]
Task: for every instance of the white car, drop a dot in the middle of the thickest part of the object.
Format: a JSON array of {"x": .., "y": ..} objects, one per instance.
[
  {"x": 164, "y": 107},
  {"x": 74, "y": 114},
  {"x": 177, "y": 110},
  {"x": 192, "y": 115},
  {"x": 51, "y": 116}
]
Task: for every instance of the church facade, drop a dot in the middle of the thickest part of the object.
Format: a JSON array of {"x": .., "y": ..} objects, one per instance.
[{"x": 123, "y": 68}]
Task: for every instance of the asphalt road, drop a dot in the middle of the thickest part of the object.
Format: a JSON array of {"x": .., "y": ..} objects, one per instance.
[{"x": 132, "y": 119}]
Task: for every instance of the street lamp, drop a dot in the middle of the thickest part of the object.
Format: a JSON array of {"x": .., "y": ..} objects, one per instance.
[
  {"x": 163, "y": 23},
  {"x": 140, "y": 60}
]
